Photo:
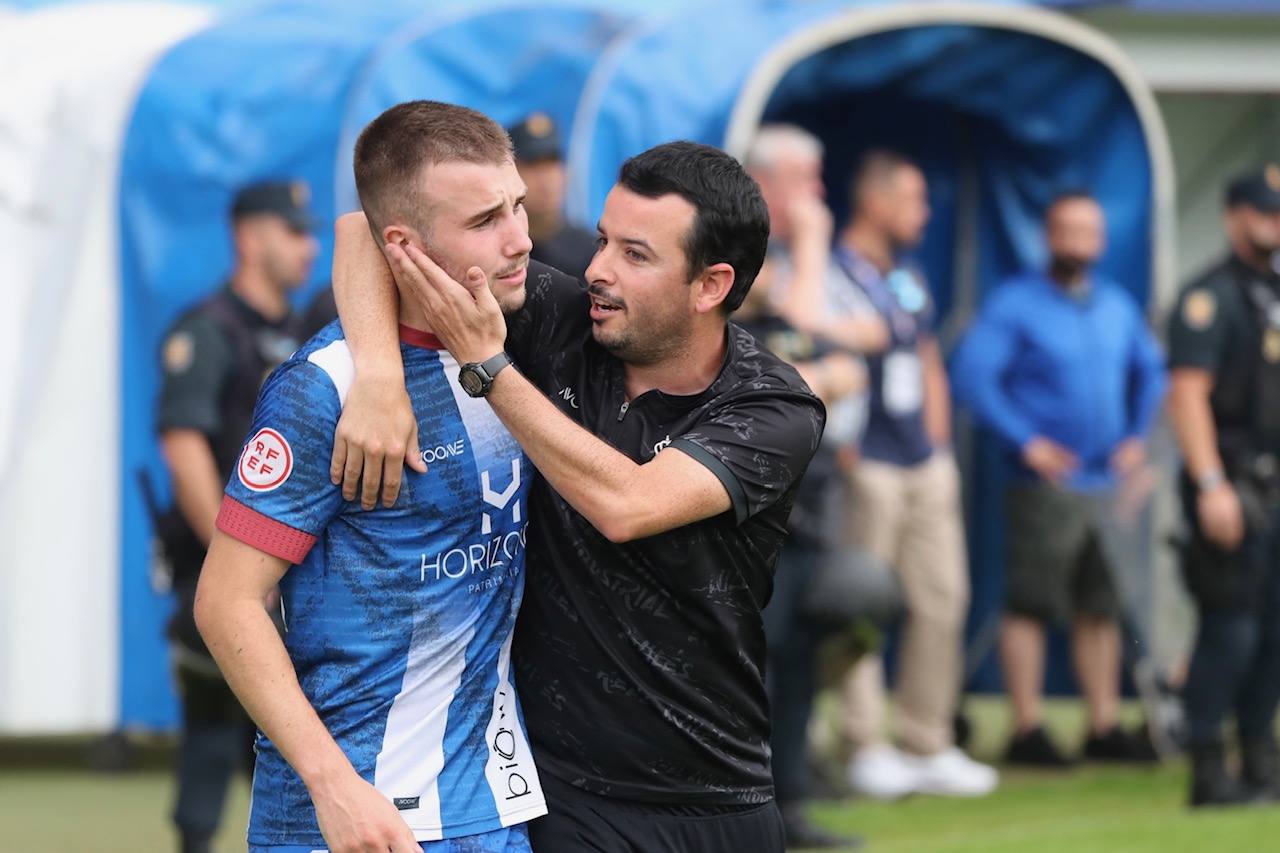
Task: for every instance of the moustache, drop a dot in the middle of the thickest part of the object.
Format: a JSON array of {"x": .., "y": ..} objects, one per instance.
[
  {"x": 513, "y": 269},
  {"x": 602, "y": 295},
  {"x": 1069, "y": 264}
]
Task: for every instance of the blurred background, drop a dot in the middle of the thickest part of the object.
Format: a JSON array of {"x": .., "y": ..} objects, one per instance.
[{"x": 126, "y": 130}]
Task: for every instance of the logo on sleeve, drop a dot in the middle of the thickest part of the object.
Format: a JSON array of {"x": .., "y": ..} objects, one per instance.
[
  {"x": 266, "y": 462},
  {"x": 1199, "y": 309}
]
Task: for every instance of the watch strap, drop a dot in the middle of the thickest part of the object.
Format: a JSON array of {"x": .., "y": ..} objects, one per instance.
[{"x": 494, "y": 365}]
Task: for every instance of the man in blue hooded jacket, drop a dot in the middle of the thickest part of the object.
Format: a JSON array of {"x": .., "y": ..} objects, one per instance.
[{"x": 1062, "y": 366}]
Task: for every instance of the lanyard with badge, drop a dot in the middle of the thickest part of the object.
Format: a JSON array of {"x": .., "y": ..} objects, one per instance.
[{"x": 899, "y": 297}]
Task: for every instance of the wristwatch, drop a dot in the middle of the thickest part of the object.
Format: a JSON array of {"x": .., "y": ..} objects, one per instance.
[
  {"x": 1210, "y": 480},
  {"x": 476, "y": 378}
]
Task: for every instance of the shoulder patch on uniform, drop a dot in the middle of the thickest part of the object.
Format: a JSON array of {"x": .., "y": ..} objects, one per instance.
[
  {"x": 1271, "y": 345},
  {"x": 266, "y": 461},
  {"x": 179, "y": 352},
  {"x": 1199, "y": 309}
]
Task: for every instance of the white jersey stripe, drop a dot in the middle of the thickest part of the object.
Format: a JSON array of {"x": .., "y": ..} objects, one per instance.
[{"x": 412, "y": 753}]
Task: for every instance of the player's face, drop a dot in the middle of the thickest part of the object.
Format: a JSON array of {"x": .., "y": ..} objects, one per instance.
[
  {"x": 642, "y": 305},
  {"x": 477, "y": 218},
  {"x": 1076, "y": 232},
  {"x": 906, "y": 205},
  {"x": 284, "y": 254}
]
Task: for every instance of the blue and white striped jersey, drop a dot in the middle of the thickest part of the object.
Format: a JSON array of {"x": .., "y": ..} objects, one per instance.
[{"x": 399, "y": 621}]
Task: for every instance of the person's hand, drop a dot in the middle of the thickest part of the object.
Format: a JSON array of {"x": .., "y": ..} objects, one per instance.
[
  {"x": 1049, "y": 459},
  {"x": 844, "y": 375},
  {"x": 1128, "y": 457},
  {"x": 1221, "y": 517},
  {"x": 810, "y": 220},
  {"x": 355, "y": 818},
  {"x": 464, "y": 316},
  {"x": 377, "y": 435}
]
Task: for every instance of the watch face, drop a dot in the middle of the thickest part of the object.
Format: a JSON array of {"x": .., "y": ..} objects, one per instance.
[{"x": 471, "y": 381}]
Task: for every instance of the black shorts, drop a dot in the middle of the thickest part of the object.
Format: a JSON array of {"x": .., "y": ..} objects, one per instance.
[
  {"x": 578, "y": 821},
  {"x": 1056, "y": 560}
]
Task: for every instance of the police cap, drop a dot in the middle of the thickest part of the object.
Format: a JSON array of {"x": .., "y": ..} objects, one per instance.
[
  {"x": 286, "y": 199},
  {"x": 535, "y": 138},
  {"x": 1259, "y": 190}
]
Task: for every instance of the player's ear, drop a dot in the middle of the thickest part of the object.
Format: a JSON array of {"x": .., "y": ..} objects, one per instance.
[{"x": 403, "y": 235}]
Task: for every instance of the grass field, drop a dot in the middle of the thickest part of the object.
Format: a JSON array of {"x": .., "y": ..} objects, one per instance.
[{"x": 1087, "y": 809}]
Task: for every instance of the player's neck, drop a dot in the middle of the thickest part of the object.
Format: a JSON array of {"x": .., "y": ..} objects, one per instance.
[
  {"x": 870, "y": 243},
  {"x": 260, "y": 294},
  {"x": 412, "y": 315},
  {"x": 684, "y": 372}
]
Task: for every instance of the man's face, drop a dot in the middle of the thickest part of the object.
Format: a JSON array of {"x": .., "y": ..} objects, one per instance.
[
  {"x": 1257, "y": 230},
  {"x": 1075, "y": 230},
  {"x": 546, "y": 182},
  {"x": 475, "y": 217},
  {"x": 902, "y": 204},
  {"x": 793, "y": 176},
  {"x": 282, "y": 252},
  {"x": 642, "y": 307}
]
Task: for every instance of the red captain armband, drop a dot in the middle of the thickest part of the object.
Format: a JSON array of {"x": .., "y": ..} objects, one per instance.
[{"x": 266, "y": 534}]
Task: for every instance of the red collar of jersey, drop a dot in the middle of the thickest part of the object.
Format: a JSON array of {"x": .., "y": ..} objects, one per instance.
[{"x": 418, "y": 338}]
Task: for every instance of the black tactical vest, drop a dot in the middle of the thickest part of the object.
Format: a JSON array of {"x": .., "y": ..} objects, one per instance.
[
  {"x": 1264, "y": 300},
  {"x": 1246, "y": 395},
  {"x": 257, "y": 349}
]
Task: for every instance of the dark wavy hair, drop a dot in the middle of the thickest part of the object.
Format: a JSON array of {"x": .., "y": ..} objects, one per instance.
[{"x": 731, "y": 222}]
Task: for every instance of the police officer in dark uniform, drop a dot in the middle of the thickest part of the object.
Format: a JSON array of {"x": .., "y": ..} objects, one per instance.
[
  {"x": 540, "y": 160},
  {"x": 1224, "y": 354},
  {"x": 215, "y": 358}
]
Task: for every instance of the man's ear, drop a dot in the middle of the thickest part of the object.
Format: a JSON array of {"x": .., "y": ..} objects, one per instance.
[
  {"x": 402, "y": 235},
  {"x": 713, "y": 287}
]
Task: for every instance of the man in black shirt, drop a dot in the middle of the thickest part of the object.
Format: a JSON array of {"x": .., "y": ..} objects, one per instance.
[
  {"x": 671, "y": 445},
  {"x": 556, "y": 242}
]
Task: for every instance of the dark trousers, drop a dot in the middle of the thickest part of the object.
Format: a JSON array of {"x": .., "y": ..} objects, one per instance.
[
  {"x": 1235, "y": 665},
  {"x": 791, "y": 676},
  {"x": 217, "y": 740},
  {"x": 578, "y": 821}
]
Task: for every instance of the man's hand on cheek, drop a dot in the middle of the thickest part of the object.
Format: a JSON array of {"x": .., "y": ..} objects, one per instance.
[{"x": 464, "y": 316}]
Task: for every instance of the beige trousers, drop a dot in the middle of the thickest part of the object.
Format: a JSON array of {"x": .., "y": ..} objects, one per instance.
[{"x": 911, "y": 518}]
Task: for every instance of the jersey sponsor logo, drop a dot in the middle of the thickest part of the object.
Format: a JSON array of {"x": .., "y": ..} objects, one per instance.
[
  {"x": 406, "y": 803},
  {"x": 441, "y": 452},
  {"x": 505, "y": 748},
  {"x": 662, "y": 445},
  {"x": 266, "y": 461},
  {"x": 569, "y": 397},
  {"x": 499, "y": 500},
  {"x": 481, "y": 557},
  {"x": 1199, "y": 309}
]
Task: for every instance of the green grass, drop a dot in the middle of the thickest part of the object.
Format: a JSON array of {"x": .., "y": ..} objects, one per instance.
[{"x": 1087, "y": 809}]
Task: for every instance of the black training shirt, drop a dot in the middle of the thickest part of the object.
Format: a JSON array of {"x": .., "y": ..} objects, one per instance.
[{"x": 641, "y": 665}]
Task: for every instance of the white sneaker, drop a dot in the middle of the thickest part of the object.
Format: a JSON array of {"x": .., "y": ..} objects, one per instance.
[
  {"x": 882, "y": 773},
  {"x": 951, "y": 773}
]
